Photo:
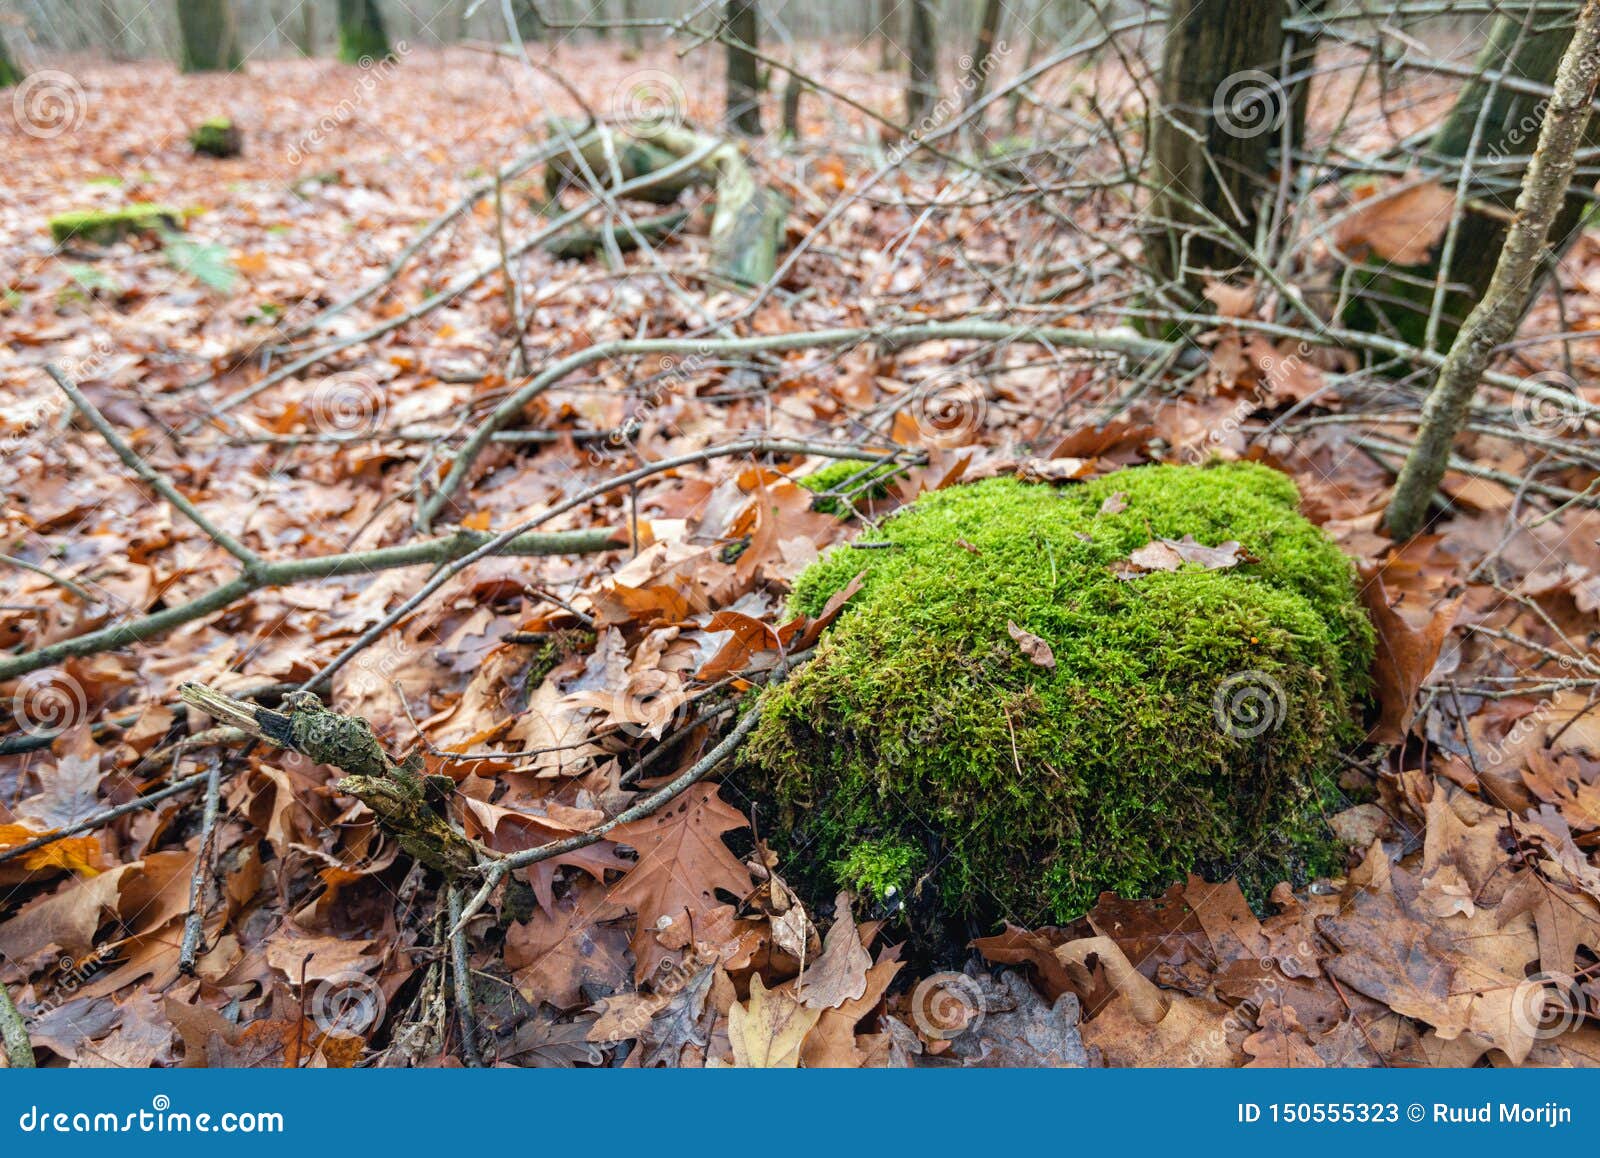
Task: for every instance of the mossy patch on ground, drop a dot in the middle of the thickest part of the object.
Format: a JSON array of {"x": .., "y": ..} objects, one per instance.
[
  {"x": 218, "y": 137},
  {"x": 103, "y": 226},
  {"x": 1180, "y": 726},
  {"x": 849, "y": 487}
]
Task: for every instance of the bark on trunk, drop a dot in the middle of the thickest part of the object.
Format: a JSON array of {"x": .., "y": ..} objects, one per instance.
[
  {"x": 1528, "y": 45},
  {"x": 361, "y": 32},
  {"x": 1211, "y": 136},
  {"x": 10, "y": 74},
  {"x": 529, "y": 27},
  {"x": 209, "y": 36},
  {"x": 977, "y": 79},
  {"x": 744, "y": 81},
  {"x": 1494, "y": 319},
  {"x": 922, "y": 80}
]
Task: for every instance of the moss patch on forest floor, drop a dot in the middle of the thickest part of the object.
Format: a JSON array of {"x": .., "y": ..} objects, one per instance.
[{"x": 1180, "y": 725}]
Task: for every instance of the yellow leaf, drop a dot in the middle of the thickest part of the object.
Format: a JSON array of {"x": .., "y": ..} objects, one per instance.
[
  {"x": 73, "y": 853},
  {"x": 477, "y": 521},
  {"x": 768, "y": 1031}
]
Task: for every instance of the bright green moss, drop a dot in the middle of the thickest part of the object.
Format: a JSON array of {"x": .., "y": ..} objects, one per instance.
[
  {"x": 879, "y": 869},
  {"x": 1180, "y": 727},
  {"x": 216, "y": 138},
  {"x": 103, "y": 226},
  {"x": 847, "y": 487}
]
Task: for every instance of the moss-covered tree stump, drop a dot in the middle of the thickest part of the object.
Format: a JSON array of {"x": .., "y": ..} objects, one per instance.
[
  {"x": 218, "y": 137},
  {"x": 104, "y": 226},
  {"x": 1177, "y": 722}
]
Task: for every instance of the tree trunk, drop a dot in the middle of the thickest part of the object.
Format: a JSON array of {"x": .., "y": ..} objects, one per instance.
[
  {"x": 744, "y": 81},
  {"x": 111, "y": 29},
  {"x": 1212, "y": 134},
  {"x": 10, "y": 74},
  {"x": 209, "y": 36},
  {"x": 983, "y": 62},
  {"x": 361, "y": 32},
  {"x": 1492, "y": 322},
  {"x": 886, "y": 11},
  {"x": 530, "y": 29},
  {"x": 1301, "y": 54},
  {"x": 632, "y": 35},
  {"x": 1402, "y": 304},
  {"x": 922, "y": 79}
]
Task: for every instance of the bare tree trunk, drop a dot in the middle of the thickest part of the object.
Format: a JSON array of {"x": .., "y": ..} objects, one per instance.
[
  {"x": 111, "y": 29},
  {"x": 886, "y": 12},
  {"x": 1211, "y": 134},
  {"x": 1494, "y": 319},
  {"x": 743, "y": 28},
  {"x": 530, "y": 29},
  {"x": 10, "y": 74},
  {"x": 977, "y": 79},
  {"x": 922, "y": 80},
  {"x": 1527, "y": 44},
  {"x": 632, "y": 35},
  {"x": 209, "y": 36},
  {"x": 361, "y": 32}
]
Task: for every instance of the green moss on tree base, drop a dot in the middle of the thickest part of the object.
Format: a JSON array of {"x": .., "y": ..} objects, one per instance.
[
  {"x": 1180, "y": 726},
  {"x": 101, "y": 227},
  {"x": 217, "y": 137}
]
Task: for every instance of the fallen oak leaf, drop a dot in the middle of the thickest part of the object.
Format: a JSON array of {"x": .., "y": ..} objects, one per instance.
[
  {"x": 769, "y": 1030},
  {"x": 1169, "y": 554},
  {"x": 840, "y": 973}
]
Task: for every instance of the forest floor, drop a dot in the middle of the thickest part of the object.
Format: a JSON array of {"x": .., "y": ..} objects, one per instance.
[{"x": 1467, "y": 930}]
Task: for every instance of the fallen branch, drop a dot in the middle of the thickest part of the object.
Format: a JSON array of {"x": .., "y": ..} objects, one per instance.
[
  {"x": 584, "y": 243},
  {"x": 1122, "y": 342},
  {"x": 407, "y": 804},
  {"x": 430, "y": 551},
  {"x": 495, "y": 871}
]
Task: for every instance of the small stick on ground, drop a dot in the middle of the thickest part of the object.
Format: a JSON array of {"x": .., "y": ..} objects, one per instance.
[
  {"x": 461, "y": 971},
  {"x": 194, "y": 925}
]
